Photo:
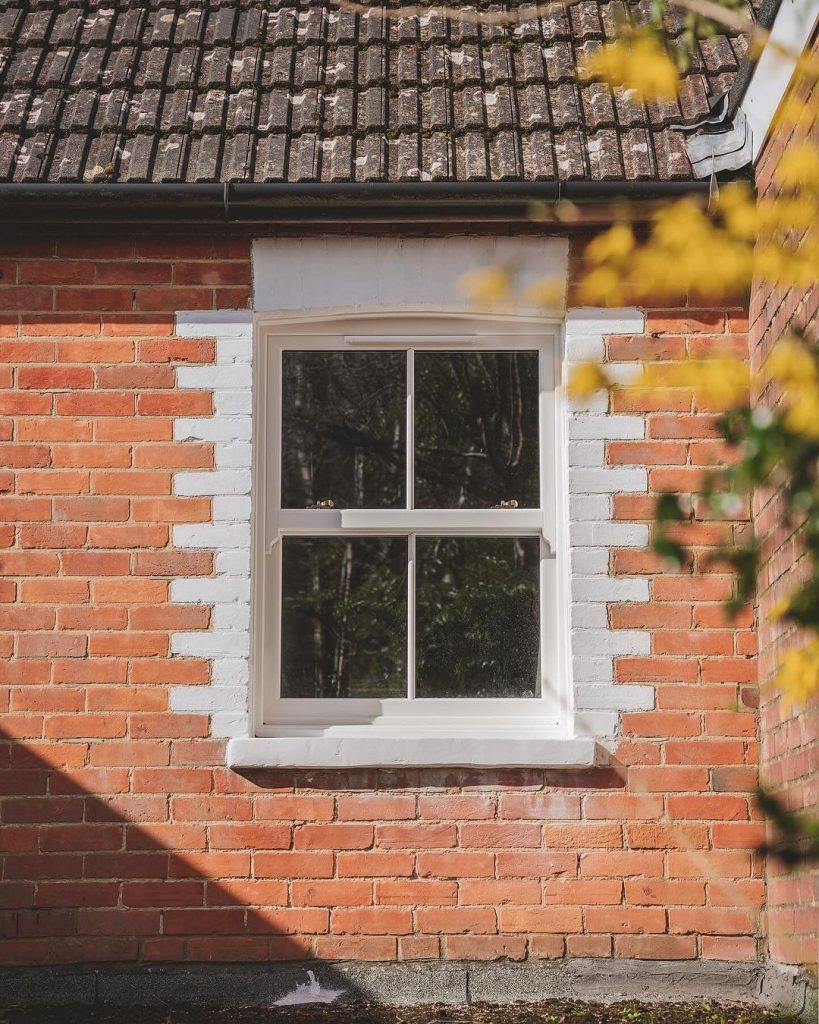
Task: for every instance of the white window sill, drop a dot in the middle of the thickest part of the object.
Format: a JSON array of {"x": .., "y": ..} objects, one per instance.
[{"x": 410, "y": 751}]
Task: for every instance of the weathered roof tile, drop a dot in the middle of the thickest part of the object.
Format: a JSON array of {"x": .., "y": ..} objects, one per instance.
[{"x": 174, "y": 90}]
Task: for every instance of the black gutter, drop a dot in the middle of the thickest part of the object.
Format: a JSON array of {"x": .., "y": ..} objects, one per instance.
[{"x": 239, "y": 203}]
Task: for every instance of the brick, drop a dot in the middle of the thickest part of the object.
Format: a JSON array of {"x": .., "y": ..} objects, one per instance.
[
  {"x": 578, "y": 892},
  {"x": 328, "y": 893},
  {"x": 661, "y": 724},
  {"x": 583, "y": 836},
  {"x": 203, "y": 921},
  {"x": 716, "y": 921},
  {"x": 456, "y": 920},
  {"x": 540, "y": 919},
  {"x": 375, "y": 807},
  {"x": 708, "y": 806},
  {"x": 662, "y": 892},
  {"x": 539, "y": 805},
  {"x": 656, "y": 947},
  {"x": 706, "y": 752},
  {"x": 410, "y": 892},
  {"x": 96, "y": 351},
  {"x": 588, "y": 945},
  {"x": 244, "y": 835},
  {"x": 356, "y": 947},
  {"x": 496, "y": 836},
  {"x": 498, "y": 892},
  {"x": 372, "y": 921},
  {"x": 293, "y": 864},
  {"x": 485, "y": 947},
  {"x": 455, "y": 864},
  {"x": 374, "y": 864},
  {"x": 414, "y": 835},
  {"x": 55, "y": 378},
  {"x": 334, "y": 836},
  {"x": 622, "y": 806},
  {"x": 717, "y": 947},
  {"x": 624, "y": 920},
  {"x": 620, "y": 863},
  {"x": 295, "y": 807}
]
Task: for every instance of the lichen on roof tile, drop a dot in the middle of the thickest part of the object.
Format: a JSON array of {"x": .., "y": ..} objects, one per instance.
[{"x": 179, "y": 90}]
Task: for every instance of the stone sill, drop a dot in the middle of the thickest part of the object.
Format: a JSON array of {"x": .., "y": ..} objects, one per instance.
[{"x": 410, "y": 751}]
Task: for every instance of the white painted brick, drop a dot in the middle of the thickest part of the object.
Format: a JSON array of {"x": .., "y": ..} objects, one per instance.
[
  {"x": 229, "y": 508},
  {"x": 589, "y": 561},
  {"x": 588, "y": 616},
  {"x": 592, "y": 670},
  {"x": 623, "y": 373},
  {"x": 613, "y": 643},
  {"x": 595, "y": 723},
  {"x": 584, "y": 347},
  {"x": 210, "y": 590},
  {"x": 231, "y": 672},
  {"x": 213, "y": 428},
  {"x": 233, "y": 563},
  {"x": 231, "y": 616},
  {"x": 208, "y": 698},
  {"x": 621, "y": 535},
  {"x": 210, "y": 644},
  {"x": 233, "y": 456},
  {"x": 591, "y": 319},
  {"x": 626, "y": 428},
  {"x": 233, "y": 403},
  {"x": 598, "y": 403},
  {"x": 224, "y": 725},
  {"x": 218, "y": 482},
  {"x": 589, "y": 507},
  {"x": 596, "y": 588},
  {"x": 212, "y": 377},
  {"x": 608, "y": 481},
  {"x": 614, "y": 698},
  {"x": 218, "y": 323},
  {"x": 233, "y": 350},
  {"x": 212, "y": 535},
  {"x": 586, "y": 453}
]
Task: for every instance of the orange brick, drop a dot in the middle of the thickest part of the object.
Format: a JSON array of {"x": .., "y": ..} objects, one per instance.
[{"x": 656, "y": 947}]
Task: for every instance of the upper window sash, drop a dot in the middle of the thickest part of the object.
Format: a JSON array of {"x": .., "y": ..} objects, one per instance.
[{"x": 540, "y": 520}]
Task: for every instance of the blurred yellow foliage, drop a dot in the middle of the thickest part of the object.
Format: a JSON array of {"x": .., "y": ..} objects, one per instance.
[
  {"x": 639, "y": 63},
  {"x": 486, "y": 286},
  {"x": 798, "y": 675}
]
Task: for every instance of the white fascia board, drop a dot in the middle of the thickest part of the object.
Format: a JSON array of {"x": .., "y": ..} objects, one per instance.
[
  {"x": 792, "y": 29},
  {"x": 415, "y": 751}
]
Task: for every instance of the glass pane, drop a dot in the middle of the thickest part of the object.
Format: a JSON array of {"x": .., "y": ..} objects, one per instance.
[
  {"x": 476, "y": 429},
  {"x": 344, "y": 617},
  {"x": 477, "y": 616},
  {"x": 343, "y": 429}
]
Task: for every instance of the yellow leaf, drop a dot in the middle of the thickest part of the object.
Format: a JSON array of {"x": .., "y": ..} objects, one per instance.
[
  {"x": 798, "y": 675},
  {"x": 614, "y": 244},
  {"x": 638, "y": 63},
  {"x": 547, "y": 293},
  {"x": 586, "y": 380},
  {"x": 487, "y": 286},
  {"x": 799, "y": 165}
]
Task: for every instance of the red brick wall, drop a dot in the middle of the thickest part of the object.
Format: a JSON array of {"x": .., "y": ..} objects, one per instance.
[
  {"x": 124, "y": 836},
  {"x": 790, "y": 735}
]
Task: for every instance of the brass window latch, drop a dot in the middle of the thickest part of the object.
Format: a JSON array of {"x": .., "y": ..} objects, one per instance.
[
  {"x": 512, "y": 503},
  {"x": 323, "y": 503}
]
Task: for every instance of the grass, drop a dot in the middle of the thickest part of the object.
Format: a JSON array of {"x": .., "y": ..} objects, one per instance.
[{"x": 557, "y": 1011}]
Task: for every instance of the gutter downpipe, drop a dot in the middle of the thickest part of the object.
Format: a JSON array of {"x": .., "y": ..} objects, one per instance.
[{"x": 238, "y": 203}]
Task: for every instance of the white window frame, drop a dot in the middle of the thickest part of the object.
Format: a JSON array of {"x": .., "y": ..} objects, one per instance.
[{"x": 544, "y": 717}]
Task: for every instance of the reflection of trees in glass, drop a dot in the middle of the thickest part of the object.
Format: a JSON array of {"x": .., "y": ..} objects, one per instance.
[
  {"x": 477, "y": 617},
  {"x": 476, "y": 429},
  {"x": 344, "y": 617},
  {"x": 343, "y": 428}
]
